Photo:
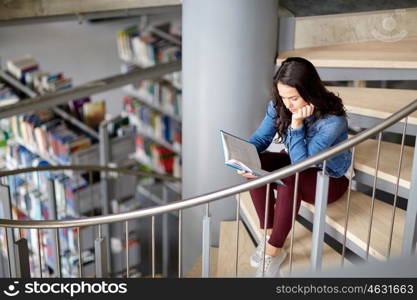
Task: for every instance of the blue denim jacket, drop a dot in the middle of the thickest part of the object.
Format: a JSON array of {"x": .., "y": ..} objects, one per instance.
[{"x": 304, "y": 142}]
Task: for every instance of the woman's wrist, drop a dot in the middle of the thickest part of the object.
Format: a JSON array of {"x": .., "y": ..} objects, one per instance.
[{"x": 296, "y": 124}]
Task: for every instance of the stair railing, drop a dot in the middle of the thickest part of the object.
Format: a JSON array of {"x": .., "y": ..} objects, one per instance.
[{"x": 409, "y": 238}]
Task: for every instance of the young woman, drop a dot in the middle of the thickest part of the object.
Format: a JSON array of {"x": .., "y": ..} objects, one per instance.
[{"x": 308, "y": 119}]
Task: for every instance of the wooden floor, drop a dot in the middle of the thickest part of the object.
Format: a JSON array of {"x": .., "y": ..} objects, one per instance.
[
  {"x": 223, "y": 259},
  {"x": 376, "y": 54},
  {"x": 195, "y": 271},
  {"x": 359, "y": 223},
  {"x": 302, "y": 242},
  {"x": 226, "y": 266},
  {"x": 375, "y": 102},
  {"x": 365, "y": 159}
]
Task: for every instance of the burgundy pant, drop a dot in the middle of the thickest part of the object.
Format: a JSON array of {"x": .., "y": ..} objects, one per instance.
[{"x": 280, "y": 209}]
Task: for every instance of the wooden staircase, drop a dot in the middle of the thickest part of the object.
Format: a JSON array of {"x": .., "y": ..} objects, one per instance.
[
  {"x": 370, "y": 60},
  {"x": 359, "y": 218},
  {"x": 224, "y": 258},
  {"x": 302, "y": 241},
  {"x": 378, "y": 104},
  {"x": 374, "y": 54}
]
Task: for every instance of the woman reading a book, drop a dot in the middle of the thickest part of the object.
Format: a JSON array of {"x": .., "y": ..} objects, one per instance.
[{"x": 308, "y": 119}]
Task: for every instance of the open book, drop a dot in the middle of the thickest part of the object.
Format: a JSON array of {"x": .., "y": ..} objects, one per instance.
[{"x": 242, "y": 155}]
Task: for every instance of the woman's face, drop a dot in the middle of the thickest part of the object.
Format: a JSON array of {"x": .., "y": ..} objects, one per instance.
[{"x": 291, "y": 98}]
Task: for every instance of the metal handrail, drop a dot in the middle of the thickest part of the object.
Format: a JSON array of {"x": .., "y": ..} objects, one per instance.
[
  {"x": 88, "y": 168},
  {"x": 208, "y": 197}
]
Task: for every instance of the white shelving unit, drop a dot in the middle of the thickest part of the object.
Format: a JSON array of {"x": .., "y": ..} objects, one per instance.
[
  {"x": 174, "y": 186},
  {"x": 148, "y": 100},
  {"x": 148, "y": 133},
  {"x": 86, "y": 199},
  {"x": 157, "y": 105}
]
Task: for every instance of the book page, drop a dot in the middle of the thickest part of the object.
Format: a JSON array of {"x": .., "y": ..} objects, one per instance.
[
  {"x": 240, "y": 150},
  {"x": 242, "y": 155}
]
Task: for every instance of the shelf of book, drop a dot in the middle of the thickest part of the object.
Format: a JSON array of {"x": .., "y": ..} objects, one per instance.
[
  {"x": 89, "y": 156},
  {"x": 173, "y": 78},
  {"x": 147, "y": 99},
  {"x": 174, "y": 186},
  {"x": 71, "y": 201},
  {"x": 149, "y": 133},
  {"x": 16, "y": 84},
  {"x": 147, "y": 162},
  {"x": 141, "y": 48}
]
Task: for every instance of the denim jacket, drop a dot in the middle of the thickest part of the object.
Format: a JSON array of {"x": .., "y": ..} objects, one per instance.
[{"x": 304, "y": 142}]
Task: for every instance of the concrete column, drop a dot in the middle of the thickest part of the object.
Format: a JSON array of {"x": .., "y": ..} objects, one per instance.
[{"x": 229, "y": 48}]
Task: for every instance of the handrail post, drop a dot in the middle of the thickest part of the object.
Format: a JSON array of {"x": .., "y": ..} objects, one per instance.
[
  {"x": 104, "y": 185},
  {"x": 22, "y": 258},
  {"x": 205, "y": 257},
  {"x": 100, "y": 255},
  {"x": 319, "y": 222},
  {"x": 54, "y": 216},
  {"x": 410, "y": 226},
  {"x": 165, "y": 236},
  {"x": 7, "y": 211}
]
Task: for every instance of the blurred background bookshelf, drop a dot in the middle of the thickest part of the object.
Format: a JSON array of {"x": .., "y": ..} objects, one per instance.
[
  {"x": 145, "y": 136},
  {"x": 154, "y": 106},
  {"x": 63, "y": 135}
]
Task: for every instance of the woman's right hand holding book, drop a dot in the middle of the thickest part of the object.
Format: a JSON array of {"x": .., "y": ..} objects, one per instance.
[{"x": 246, "y": 174}]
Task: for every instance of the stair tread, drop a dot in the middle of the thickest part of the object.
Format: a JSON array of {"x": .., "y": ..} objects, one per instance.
[
  {"x": 226, "y": 265},
  {"x": 365, "y": 158},
  {"x": 302, "y": 241},
  {"x": 359, "y": 223},
  {"x": 195, "y": 271},
  {"x": 380, "y": 103},
  {"x": 401, "y": 54}
]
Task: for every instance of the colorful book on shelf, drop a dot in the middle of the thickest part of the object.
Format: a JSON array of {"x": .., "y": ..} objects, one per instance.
[
  {"x": 76, "y": 107},
  {"x": 128, "y": 106},
  {"x": 147, "y": 47},
  {"x": 166, "y": 128},
  {"x": 7, "y": 95},
  {"x": 59, "y": 84},
  {"x": 166, "y": 159},
  {"x": 117, "y": 124},
  {"x": 18, "y": 68},
  {"x": 161, "y": 158},
  {"x": 82, "y": 142},
  {"x": 124, "y": 38},
  {"x": 94, "y": 113}
]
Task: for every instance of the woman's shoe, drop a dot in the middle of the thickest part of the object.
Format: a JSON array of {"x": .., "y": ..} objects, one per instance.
[
  {"x": 272, "y": 265},
  {"x": 256, "y": 257}
]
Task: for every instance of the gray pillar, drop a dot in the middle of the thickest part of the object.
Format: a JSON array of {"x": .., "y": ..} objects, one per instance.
[{"x": 229, "y": 48}]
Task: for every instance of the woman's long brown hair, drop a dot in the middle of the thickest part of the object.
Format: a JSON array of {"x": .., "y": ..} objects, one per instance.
[{"x": 299, "y": 73}]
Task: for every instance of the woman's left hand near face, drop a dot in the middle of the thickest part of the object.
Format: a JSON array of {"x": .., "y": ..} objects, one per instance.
[{"x": 303, "y": 113}]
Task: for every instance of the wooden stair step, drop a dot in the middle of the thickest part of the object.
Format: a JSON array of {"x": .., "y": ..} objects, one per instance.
[
  {"x": 302, "y": 241},
  {"x": 401, "y": 54},
  {"x": 195, "y": 271},
  {"x": 226, "y": 266},
  {"x": 365, "y": 159},
  {"x": 359, "y": 223},
  {"x": 375, "y": 102}
]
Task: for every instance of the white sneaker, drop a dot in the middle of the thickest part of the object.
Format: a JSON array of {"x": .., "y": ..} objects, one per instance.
[
  {"x": 272, "y": 264},
  {"x": 256, "y": 257}
]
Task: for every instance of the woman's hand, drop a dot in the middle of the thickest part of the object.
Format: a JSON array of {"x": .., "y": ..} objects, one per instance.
[
  {"x": 246, "y": 174},
  {"x": 301, "y": 114}
]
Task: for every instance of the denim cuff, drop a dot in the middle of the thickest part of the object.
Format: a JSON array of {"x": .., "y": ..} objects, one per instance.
[{"x": 296, "y": 132}]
